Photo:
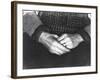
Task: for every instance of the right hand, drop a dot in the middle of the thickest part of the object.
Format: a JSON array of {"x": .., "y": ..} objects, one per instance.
[
  {"x": 50, "y": 41},
  {"x": 70, "y": 41}
]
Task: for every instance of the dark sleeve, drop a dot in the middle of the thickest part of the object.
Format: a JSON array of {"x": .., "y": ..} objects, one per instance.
[
  {"x": 38, "y": 31},
  {"x": 85, "y": 22},
  {"x": 85, "y": 36}
]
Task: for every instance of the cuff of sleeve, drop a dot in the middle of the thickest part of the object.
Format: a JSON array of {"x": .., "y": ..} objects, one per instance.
[
  {"x": 85, "y": 36},
  {"x": 38, "y": 32}
]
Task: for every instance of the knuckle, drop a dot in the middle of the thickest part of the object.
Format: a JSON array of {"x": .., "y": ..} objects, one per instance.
[
  {"x": 69, "y": 39},
  {"x": 65, "y": 35},
  {"x": 70, "y": 46}
]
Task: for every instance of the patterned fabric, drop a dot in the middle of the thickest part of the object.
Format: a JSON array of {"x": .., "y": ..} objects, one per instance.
[{"x": 63, "y": 22}]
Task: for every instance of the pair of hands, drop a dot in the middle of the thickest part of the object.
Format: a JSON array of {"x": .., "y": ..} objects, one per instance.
[{"x": 60, "y": 45}]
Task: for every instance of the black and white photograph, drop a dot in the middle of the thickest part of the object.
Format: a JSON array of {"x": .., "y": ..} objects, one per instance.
[
  {"x": 53, "y": 39},
  {"x": 56, "y": 39}
]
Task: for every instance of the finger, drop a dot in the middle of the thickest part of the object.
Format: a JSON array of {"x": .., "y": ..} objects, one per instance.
[
  {"x": 69, "y": 45},
  {"x": 66, "y": 40},
  {"x": 56, "y": 50},
  {"x": 62, "y": 37},
  {"x": 61, "y": 47},
  {"x": 59, "y": 50},
  {"x": 56, "y": 36}
]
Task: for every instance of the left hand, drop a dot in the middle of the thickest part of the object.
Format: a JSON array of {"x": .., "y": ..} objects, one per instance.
[{"x": 70, "y": 41}]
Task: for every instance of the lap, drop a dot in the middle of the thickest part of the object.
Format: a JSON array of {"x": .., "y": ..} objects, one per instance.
[{"x": 37, "y": 56}]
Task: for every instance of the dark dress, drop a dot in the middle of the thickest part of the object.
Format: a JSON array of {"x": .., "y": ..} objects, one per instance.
[{"x": 36, "y": 55}]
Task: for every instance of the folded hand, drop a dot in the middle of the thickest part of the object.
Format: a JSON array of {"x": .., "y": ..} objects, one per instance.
[{"x": 50, "y": 41}]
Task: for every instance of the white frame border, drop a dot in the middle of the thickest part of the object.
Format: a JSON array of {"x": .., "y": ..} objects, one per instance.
[{"x": 50, "y": 71}]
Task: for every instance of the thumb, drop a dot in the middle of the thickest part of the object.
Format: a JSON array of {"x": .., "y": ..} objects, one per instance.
[{"x": 54, "y": 35}]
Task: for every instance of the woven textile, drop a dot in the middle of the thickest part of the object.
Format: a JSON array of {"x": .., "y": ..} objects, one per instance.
[{"x": 63, "y": 22}]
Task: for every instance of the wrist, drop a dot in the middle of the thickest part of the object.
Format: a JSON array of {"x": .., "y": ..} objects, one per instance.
[
  {"x": 79, "y": 38},
  {"x": 43, "y": 36},
  {"x": 38, "y": 32}
]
